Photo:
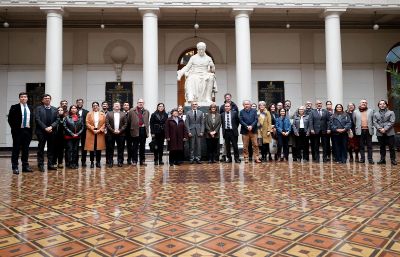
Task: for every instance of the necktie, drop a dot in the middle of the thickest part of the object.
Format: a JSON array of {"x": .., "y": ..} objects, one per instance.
[
  {"x": 195, "y": 115},
  {"x": 25, "y": 118},
  {"x": 319, "y": 111},
  {"x": 228, "y": 122}
]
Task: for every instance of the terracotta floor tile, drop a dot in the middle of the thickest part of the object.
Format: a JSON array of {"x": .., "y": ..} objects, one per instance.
[
  {"x": 220, "y": 245},
  {"x": 17, "y": 250},
  {"x": 67, "y": 249},
  {"x": 119, "y": 248},
  {"x": 170, "y": 246},
  {"x": 270, "y": 243}
]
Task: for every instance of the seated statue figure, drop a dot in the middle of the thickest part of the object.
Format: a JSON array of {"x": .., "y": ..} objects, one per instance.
[{"x": 200, "y": 81}]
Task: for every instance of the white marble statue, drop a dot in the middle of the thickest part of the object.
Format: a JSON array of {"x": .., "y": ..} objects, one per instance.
[{"x": 200, "y": 82}]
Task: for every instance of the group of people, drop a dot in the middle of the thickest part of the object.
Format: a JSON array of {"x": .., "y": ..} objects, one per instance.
[{"x": 340, "y": 132}]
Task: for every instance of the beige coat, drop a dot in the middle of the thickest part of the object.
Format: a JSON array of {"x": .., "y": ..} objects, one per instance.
[
  {"x": 101, "y": 138},
  {"x": 265, "y": 126}
]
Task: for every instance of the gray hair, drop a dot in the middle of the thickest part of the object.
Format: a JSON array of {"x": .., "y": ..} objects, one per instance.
[{"x": 262, "y": 102}]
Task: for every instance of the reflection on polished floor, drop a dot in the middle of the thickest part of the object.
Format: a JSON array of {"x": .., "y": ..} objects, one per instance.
[{"x": 273, "y": 209}]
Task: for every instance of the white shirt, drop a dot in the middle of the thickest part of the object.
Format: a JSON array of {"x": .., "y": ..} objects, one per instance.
[
  {"x": 96, "y": 117},
  {"x": 80, "y": 112},
  {"x": 301, "y": 122},
  {"x": 28, "y": 115},
  {"x": 116, "y": 120}
]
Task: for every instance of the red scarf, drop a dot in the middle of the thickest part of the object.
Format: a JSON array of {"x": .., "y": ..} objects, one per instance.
[{"x": 140, "y": 116}]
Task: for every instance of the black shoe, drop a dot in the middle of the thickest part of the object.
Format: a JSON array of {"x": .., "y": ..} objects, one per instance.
[
  {"x": 393, "y": 162},
  {"x": 161, "y": 162},
  {"x": 237, "y": 161},
  {"x": 361, "y": 161},
  {"x": 110, "y": 165},
  {"x": 209, "y": 162},
  {"x": 83, "y": 164},
  {"x": 270, "y": 158},
  {"x": 134, "y": 163},
  {"x": 15, "y": 171},
  {"x": 191, "y": 161},
  {"x": 155, "y": 162},
  {"x": 98, "y": 165},
  {"x": 129, "y": 162},
  {"x": 26, "y": 169},
  {"x": 228, "y": 160},
  {"x": 177, "y": 163},
  {"x": 381, "y": 162},
  {"x": 295, "y": 159},
  {"x": 198, "y": 161},
  {"x": 51, "y": 167},
  {"x": 41, "y": 168},
  {"x": 371, "y": 162},
  {"x": 325, "y": 160},
  {"x": 120, "y": 164},
  {"x": 171, "y": 164},
  {"x": 92, "y": 165},
  {"x": 223, "y": 159},
  {"x": 142, "y": 163}
]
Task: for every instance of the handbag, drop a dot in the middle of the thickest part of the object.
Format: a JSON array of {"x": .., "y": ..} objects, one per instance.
[{"x": 273, "y": 147}]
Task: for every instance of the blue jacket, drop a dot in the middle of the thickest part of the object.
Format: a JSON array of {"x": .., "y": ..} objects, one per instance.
[
  {"x": 339, "y": 122},
  {"x": 248, "y": 118},
  {"x": 282, "y": 125}
]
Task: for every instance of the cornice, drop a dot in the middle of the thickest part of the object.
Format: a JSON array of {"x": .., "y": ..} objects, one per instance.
[{"x": 386, "y": 4}]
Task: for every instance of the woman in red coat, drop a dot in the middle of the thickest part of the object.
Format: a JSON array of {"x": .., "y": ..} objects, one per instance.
[{"x": 176, "y": 134}]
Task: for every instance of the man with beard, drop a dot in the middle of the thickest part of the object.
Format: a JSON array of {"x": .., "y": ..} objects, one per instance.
[
  {"x": 82, "y": 113},
  {"x": 363, "y": 120}
]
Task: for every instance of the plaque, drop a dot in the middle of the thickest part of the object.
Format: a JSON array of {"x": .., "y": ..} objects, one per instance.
[
  {"x": 35, "y": 92},
  {"x": 119, "y": 92},
  {"x": 271, "y": 91}
]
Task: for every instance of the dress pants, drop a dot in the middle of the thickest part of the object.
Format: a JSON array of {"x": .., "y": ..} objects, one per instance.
[
  {"x": 139, "y": 144},
  {"x": 98, "y": 152},
  {"x": 317, "y": 140},
  {"x": 72, "y": 151},
  {"x": 387, "y": 141},
  {"x": 129, "y": 146},
  {"x": 195, "y": 147},
  {"x": 250, "y": 136},
  {"x": 112, "y": 139},
  {"x": 83, "y": 151},
  {"x": 365, "y": 140},
  {"x": 159, "y": 139},
  {"x": 43, "y": 139},
  {"x": 21, "y": 141},
  {"x": 212, "y": 148},
  {"x": 340, "y": 144},
  {"x": 231, "y": 139},
  {"x": 302, "y": 145}
]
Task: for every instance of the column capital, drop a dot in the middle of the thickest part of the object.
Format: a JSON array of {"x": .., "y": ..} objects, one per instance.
[
  {"x": 149, "y": 10},
  {"x": 52, "y": 9},
  {"x": 242, "y": 11},
  {"x": 333, "y": 11}
]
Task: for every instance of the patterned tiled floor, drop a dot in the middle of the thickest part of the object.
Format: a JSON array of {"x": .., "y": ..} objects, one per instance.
[{"x": 273, "y": 209}]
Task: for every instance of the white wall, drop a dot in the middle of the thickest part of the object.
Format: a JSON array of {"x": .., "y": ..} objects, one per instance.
[{"x": 296, "y": 57}]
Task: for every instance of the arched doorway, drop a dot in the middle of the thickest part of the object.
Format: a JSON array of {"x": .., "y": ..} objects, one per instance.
[
  {"x": 393, "y": 60},
  {"x": 182, "y": 61}
]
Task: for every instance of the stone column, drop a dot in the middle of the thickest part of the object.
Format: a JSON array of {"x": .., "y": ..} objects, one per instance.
[
  {"x": 150, "y": 57},
  {"x": 333, "y": 50},
  {"x": 54, "y": 53},
  {"x": 243, "y": 54}
]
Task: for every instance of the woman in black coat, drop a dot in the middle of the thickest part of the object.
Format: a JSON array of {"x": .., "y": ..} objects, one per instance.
[
  {"x": 58, "y": 156},
  {"x": 176, "y": 135},
  {"x": 73, "y": 128},
  {"x": 212, "y": 124},
  {"x": 157, "y": 128}
]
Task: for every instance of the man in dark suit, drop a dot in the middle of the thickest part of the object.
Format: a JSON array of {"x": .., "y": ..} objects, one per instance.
[
  {"x": 116, "y": 126},
  {"x": 20, "y": 118},
  {"x": 230, "y": 124},
  {"x": 128, "y": 139},
  {"x": 46, "y": 124},
  {"x": 195, "y": 126},
  {"x": 319, "y": 119},
  {"x": 82, "y": 113},
  {"x": 234, "y": 107}
]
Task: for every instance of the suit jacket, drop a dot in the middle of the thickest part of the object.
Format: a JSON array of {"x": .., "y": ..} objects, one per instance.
[
  {"x": 319, "y": 123},
  {"x": 357, "y": 121},
  {"x": 195, "y": 127},
  {"x": 210, "y": 126},
  {"x": 15, "y": 117},
  {"x": 110, "y": 123},
  {"x": 84, "y": 114},
  {"x": 133, "y": 119},
  {"x": 386, "y": 120},
  {"x": 234, "y": 122},
  {"x": 248, "y": 118},
  {"x": 339, "y": 122},
  {"x": 296, "y": 124},
  {"x": 40, "y": 118}
]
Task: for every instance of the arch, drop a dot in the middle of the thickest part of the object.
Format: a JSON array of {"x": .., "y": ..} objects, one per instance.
[
  {"x": 190, "y": 43},
  {"x": 115, "y": 44}
]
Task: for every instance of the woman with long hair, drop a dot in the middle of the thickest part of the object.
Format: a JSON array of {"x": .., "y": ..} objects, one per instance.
[
  {"x": 95, "y": 134},
  {"x": 60, "y": 142},
  {"x": 283, "y": 129},
  {"x": 212, "y": 123},
  {"x": 157, "y": 128},
  {"x": 73, "y": 128},
  {"x": 264, "y": 129},
  {"x": 353, "y": 144},
  {"x": 339, "y": 124}
]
